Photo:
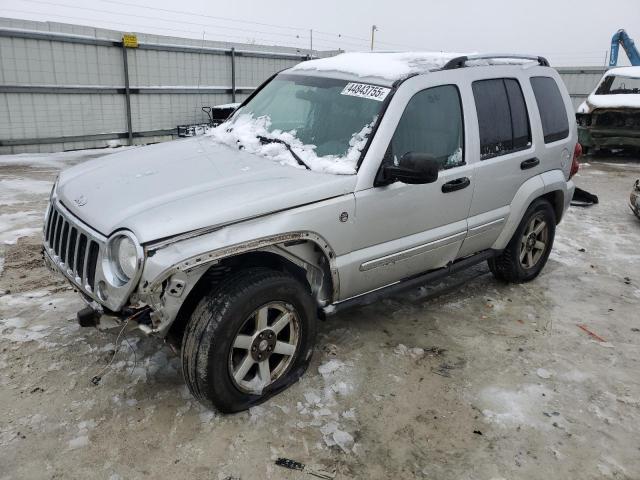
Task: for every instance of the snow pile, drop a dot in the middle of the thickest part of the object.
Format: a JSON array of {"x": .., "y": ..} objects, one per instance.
[
  {"x": 385, "y": 65},
  {"x": 414, "y": 352},
  {"x": 544, "y": 373},
  {"x": 320, "y": 405},
  {"x": 515, "y": 407},
  {"x": 330, "y": 367},
  {"x": 334, "y": 436},
  {"x": 244, "y": 130}
]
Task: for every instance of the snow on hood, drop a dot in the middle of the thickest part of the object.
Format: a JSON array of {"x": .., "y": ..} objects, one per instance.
[
  {"x": 244, "y": 131},
  {"x": 386, "y": 65},
  {"x": 627, "y": 100}
]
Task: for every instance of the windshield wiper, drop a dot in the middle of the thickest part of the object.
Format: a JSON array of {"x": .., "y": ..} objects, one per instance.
[{"x": 265, "y": 140}]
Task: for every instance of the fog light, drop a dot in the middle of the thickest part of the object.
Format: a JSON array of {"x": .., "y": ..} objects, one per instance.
[{"x": 101, "y": 291}]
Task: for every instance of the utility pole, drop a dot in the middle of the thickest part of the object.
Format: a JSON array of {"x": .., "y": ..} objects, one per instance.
[
  {"x": 373, "y": 33},
  {"x": 311, "y": 41}
]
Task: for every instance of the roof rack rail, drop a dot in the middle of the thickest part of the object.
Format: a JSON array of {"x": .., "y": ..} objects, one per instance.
[{"x": 461, "y": 62}]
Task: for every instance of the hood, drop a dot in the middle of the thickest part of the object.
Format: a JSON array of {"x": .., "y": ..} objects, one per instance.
[
  {"x": 622, "y": 100},
  {"x": 176, "y": 187}
]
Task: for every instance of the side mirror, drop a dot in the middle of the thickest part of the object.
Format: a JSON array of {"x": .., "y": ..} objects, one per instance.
[{"x": 413, "y": 168}]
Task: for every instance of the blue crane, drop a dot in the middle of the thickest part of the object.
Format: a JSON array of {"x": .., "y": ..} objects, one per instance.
[{"x": 622, "y": 38}]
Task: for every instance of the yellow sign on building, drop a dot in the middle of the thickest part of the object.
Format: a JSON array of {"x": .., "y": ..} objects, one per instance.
[{"x": 129, "y": 40}]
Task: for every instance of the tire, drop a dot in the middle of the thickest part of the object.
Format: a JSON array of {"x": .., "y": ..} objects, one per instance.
[
  {"x": 218, "y": 342},
  {"x": 508, "y": 266}
]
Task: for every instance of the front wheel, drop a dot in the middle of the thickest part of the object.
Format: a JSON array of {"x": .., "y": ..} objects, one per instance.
[
  {"x": 529, "y": 248},
  {"x": 249, "y": 339}
]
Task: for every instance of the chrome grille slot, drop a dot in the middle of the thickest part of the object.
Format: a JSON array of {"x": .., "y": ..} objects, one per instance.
[
  {"x": 74, "y": 248},
  {"x": 91, "y": 263},
  {"x": 71, "y": 248},
  {"x": 82, "y": 250},
  {"x": 63, "y": 243}
]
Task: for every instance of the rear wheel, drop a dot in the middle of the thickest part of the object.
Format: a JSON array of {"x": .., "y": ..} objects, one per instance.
[
  {"x": 249, "y": 339},
  {"x": 529, "y": 248}
]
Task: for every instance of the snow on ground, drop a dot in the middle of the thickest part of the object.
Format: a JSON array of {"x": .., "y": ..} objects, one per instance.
[
  {"x": 20, "y": 217},
  {"x": 465, "y": 378}
]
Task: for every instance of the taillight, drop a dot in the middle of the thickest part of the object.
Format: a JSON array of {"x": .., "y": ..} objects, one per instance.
[{"x": 575, "y": 165}]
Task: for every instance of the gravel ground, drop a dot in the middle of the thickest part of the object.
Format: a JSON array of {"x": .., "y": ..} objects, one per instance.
[{"x": 467, "y": 379}]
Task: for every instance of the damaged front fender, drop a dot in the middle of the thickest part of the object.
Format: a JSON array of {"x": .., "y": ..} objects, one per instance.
[{"x": 166, "y": 287}]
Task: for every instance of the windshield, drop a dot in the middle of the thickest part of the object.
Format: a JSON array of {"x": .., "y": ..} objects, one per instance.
[
  {"x": 616, "y": 84},
  {"x": 324, "y": 122}
]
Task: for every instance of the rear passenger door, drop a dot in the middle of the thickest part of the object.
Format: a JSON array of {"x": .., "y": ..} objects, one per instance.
[{"x": 507, "y": 158}]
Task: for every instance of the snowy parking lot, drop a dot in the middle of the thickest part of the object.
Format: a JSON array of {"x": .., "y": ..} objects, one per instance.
[{"x": 465, "y": 379}]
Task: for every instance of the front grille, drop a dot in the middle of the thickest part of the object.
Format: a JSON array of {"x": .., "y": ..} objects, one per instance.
[{"x": 75, "y": 251}]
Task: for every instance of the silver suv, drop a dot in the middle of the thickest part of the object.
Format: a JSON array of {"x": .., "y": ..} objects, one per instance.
[{"x": 336, "y": 182}]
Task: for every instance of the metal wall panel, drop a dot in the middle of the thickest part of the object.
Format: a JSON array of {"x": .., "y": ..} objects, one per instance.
[
  {"x": 581, "y": 81},
  {"x": 165, "y": 111},
  {"x": 63, "y": 86}
]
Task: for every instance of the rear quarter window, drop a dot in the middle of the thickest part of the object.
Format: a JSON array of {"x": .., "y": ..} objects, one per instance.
[
  {"x": 553, "y": 113},
  {"x": 503, "y": 120}
]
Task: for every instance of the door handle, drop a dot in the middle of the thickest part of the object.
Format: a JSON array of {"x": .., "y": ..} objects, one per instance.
[
  {"x": 457, "y": 184},
  {"x": 530, "y": 163}
]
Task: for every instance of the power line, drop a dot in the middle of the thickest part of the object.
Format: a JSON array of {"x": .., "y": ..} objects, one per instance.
[
  {"x": 138, "y": 27},
  {"x": 148, "y": 17},
  {"x": 228, "y": 19},
  {"x": 184, "y": 12},
  {"x": 364, "y": 40}
]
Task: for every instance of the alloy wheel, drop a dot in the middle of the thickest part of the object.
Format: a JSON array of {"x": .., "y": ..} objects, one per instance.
[
  {"x": 534, "y": 241},
  {"x": 264, "y": 347}
]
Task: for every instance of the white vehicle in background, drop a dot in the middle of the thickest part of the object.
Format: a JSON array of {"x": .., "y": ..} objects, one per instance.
[
  {"x": 337, "y": 182},
  {"x": 610, "y": 117}
]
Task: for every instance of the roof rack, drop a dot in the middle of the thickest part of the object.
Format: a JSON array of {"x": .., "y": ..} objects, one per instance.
[{"x": 461, "y": 62}]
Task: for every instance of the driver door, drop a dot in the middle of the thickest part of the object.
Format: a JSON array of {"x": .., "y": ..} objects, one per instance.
[{"x": 402, "y": 230}]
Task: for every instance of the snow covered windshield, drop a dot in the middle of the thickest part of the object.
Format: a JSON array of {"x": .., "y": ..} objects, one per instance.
[
  {"x": 616, "y": 84},
  {"x": 308, "y": 122}
]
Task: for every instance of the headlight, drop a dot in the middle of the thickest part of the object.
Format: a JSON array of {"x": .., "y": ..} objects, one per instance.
[{"x": 124, "y": 256}]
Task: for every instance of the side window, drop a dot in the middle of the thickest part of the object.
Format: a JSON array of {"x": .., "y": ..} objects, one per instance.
[
  {"x": 553, "y": 113},
  {"x": 503, "y": 120},
  {"x": 431, "y": 123}
]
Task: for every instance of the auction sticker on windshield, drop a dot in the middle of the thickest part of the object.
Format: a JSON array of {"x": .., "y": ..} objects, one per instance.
[{"x": 364, "y": 90}]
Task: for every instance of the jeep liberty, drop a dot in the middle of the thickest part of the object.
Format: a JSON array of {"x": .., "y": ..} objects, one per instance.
[{"x": 338, "y": 181}]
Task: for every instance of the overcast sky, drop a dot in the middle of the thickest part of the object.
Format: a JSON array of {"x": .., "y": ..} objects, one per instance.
[{"x": 568, "y": 32}]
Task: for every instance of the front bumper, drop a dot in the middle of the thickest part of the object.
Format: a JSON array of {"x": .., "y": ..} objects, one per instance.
[
  {"x": 105, "y": 319},
  {"x": 608, "y": 137}
]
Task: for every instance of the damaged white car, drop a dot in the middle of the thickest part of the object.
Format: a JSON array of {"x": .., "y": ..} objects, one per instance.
[
  {"x": 610, "y": 117},
  {"x": 336, "y": 182}
]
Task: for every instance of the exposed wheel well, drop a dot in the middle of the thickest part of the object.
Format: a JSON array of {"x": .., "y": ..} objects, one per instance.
[
  {"x": 217, "y": 273},
  {"x": 556, "y": 199}
]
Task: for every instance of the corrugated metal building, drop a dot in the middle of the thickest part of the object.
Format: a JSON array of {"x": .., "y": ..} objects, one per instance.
[
  {"x": 64, "y": 86},
  {"x": 581, "y": 81}
]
